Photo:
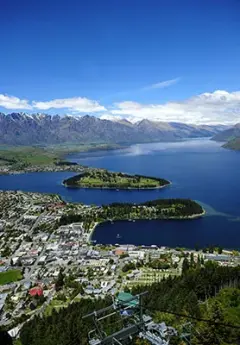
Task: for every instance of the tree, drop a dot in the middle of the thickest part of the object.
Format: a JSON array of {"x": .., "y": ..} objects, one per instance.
[
  {"x": 211, "y": 249},
  {"x": 212, "y": 332},
  {"x": 198, "y": 261},
  {"x": 129, "y": 266},
  {"x": 6, "y": 252},
  {"x": 192, "y": 262},
  {"x": 28, "y": 238},
  {"x": 196, "y": 247},
  {"x": 5, "y": 338},
  {"x": 60, "y": 280},
  {"x": 185, "y": 265}
]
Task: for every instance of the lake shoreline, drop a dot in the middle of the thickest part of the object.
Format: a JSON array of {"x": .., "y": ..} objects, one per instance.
[
  {"x": 96, "y": 178},
  {"x": 199, "y": 170},
  {"x": 96, "y": 224},
  {"x": 117, "y": 189}
]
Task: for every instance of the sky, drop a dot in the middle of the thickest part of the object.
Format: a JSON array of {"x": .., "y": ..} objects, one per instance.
[{"x": 164, "y": 60}]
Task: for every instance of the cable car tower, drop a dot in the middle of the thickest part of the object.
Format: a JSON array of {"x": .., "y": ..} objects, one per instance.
[{"x": 127, "y": 310}]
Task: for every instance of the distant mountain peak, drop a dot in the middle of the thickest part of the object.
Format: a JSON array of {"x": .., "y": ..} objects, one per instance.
[{"x": 41, "y": 128}]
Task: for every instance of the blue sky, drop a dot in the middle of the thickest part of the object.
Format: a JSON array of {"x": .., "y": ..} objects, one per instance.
[{"x": 160, "y": 59}]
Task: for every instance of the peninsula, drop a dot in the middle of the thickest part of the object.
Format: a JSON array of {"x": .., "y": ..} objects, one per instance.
[
  {"x": 101, "y": 178},
  {"x": 155, "y": 209}
]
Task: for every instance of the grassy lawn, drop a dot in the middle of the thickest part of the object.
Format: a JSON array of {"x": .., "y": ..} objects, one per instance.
[
  {"x": 150, "y": 276},
  {"x": 106, "y": 179},
  {"x": 55, "y": 304},
  {"x": 119, "y": 182},
  {"x": 10, "y": 276}
]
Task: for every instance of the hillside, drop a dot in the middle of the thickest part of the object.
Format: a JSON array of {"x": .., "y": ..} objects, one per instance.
[
  {"x": 233, "y": 144},
  {"x": 231, "y": 136},
  {"x": 228, "y": 134},
  {"x": 210, "y": 293},
  {"x": 26, "y": 129}
]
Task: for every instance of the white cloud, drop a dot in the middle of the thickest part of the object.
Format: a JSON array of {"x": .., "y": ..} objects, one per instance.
[
  {"x": 76, "y": 104},
  {"x": 162, "y": 84},
  {"x": 207, "y": 108},
  {"x": 110, "y": 117},
  {"x": 11, "y": 102}
]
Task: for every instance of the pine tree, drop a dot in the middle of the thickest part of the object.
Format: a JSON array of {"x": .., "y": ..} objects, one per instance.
[
  {"x": 185, "y": 265},
  {"x": 60, "y": 280},
  {"x": 211, "y": 333},
  {"x": 192, "y": 262}
]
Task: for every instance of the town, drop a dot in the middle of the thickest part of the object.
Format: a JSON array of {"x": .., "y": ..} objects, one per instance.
[{"x": 46, "y": 264}]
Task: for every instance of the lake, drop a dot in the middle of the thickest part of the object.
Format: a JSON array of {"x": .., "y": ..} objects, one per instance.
[{"x": 198, "y": 169}]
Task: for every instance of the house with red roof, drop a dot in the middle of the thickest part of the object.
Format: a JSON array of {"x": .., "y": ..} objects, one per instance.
[{"x": 36, "y": 291}]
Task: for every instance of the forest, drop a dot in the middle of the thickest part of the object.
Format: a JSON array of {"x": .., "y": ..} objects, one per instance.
[
  {"x": 101, "y": 178},
  {"x": 208, "y": 297}
]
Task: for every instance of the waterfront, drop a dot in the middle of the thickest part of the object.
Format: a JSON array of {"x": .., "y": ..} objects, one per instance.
[
  {"x": 195, "y": 233},
  {"x": 198, "y": 169}
]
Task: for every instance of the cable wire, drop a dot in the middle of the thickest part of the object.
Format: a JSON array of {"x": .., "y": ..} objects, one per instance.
[{"x": 194, "y": 318}]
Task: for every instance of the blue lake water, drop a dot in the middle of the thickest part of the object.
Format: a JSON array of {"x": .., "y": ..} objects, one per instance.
[{"x": 198, "y": 169}]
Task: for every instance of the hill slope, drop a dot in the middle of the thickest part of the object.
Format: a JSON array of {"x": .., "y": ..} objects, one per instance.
[
  {"x": 233, "y": 144},
  {"x": 25, "y": 129},
  {"x": 231, "y": 136},
  {"x": 228, "y": 134}
]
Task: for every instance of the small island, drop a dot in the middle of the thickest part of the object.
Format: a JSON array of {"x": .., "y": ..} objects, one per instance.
[{"x": 103, "y": 179}]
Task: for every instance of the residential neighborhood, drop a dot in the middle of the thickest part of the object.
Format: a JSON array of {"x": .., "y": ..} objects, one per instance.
[{"x": 45, "y": 265}]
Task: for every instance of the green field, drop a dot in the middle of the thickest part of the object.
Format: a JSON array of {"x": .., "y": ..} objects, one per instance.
[
  {"x": 44, "y": 155},
  {"x": 119, "y": 182},
  {"x": 10, "y": 276},
  {"x": 24, "y": 155},
  {"x": 55, "y": 304}
]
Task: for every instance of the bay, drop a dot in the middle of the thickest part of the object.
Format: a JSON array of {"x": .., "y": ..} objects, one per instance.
[{"x": 198, "y": 169}]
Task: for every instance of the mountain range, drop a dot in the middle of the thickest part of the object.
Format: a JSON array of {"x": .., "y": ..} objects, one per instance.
[{"x": 27, "y": 129}]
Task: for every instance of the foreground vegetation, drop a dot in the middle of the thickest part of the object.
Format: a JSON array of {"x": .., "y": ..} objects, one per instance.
[
  {"x": 211, "y": 293},
  {"x": 100, "y": 178},
  {"x": 10, "y": 276}
]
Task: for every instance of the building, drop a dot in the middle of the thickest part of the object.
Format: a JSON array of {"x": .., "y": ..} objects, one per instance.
[
  {"x": 36, "y": 291},
  {"x": 218, "y": 257},
  {"x": 120, "y": 252}
]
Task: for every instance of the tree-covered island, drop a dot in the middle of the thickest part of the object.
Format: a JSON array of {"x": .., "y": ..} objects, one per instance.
[{"x": 101, "y": 178}]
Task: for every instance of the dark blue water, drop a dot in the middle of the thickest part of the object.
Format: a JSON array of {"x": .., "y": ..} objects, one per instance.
[
  {"x": 198, "y": 169},
  {"x": 211, "y": 230}
]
